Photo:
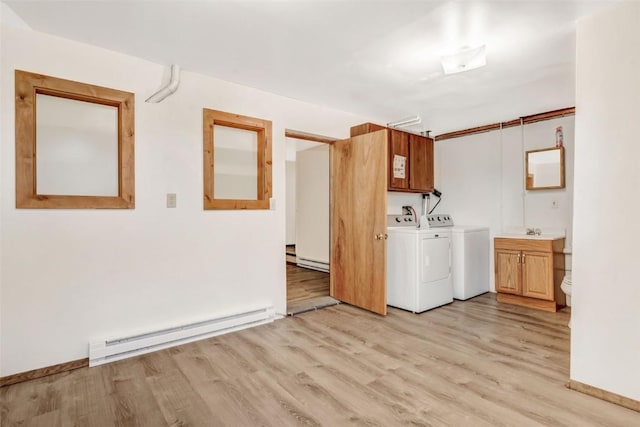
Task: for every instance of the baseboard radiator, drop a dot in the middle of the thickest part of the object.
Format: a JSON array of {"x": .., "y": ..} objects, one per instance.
[
  {"x": 313, "y": 264},
  {"x": 110, "y": 350}
]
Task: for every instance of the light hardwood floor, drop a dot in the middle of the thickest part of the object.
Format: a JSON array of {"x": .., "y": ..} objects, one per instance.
[
  {"x": 303, "y": 283},
  {"x": 474, "y": 363}
]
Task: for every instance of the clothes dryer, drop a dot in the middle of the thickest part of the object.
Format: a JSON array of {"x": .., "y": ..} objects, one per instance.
[{"x": 418, "y": 265}]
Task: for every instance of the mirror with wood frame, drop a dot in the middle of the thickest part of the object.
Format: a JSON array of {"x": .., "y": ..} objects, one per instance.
[{"x": 545, "y": 169}]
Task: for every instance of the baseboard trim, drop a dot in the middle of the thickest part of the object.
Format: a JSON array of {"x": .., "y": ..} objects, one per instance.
[
  {"x": 626, "y": 402},
  {"x": 43, "y": 372},
  {"x": 313, "y": 264}
]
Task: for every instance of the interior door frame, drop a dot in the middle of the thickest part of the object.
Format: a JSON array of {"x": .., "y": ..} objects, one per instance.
[{"x": 306, "y": 136}]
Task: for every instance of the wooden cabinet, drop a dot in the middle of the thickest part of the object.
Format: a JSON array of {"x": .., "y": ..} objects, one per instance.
[
  {"x": 411, "y": 154},
  {"x": 421, "y": 163},
  {"x": 398, "y": 150},
  {"x": 537, "y": 275},
  {"x": 508, "y": 271},
  {"x": 529, "y": 272}
]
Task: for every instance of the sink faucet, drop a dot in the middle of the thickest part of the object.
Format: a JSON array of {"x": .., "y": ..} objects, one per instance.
[{"x": 533, "y": 232}]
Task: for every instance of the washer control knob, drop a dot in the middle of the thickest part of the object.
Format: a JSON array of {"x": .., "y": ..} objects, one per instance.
[{"x": 398, "y": 220}]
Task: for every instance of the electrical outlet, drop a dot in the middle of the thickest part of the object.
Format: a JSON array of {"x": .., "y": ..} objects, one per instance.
[
  {"x": 171, "y": 200},
  {"x": 555, "y": 204}
]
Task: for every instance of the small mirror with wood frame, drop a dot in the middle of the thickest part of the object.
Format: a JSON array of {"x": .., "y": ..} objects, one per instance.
[
  {"x": 74, "y": 144},
  {"x": 545, "y": 169},
  {"x": 237, "y": 161}
]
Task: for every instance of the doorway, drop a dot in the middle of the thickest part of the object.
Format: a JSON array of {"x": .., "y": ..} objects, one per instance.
[
  {"x": 357, "y": 243},
  {"x": 307, "y": 222}
]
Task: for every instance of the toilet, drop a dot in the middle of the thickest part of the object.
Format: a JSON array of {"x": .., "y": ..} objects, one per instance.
[{"x": 566, "y": 288}]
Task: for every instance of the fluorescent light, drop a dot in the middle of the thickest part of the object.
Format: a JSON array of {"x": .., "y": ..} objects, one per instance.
[
  {"x": 405, "y": 122},
  {"x": 465, "y": 60}
]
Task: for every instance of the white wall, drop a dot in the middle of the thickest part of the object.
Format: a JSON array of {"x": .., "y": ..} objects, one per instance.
[
  {"x": 605, "y": 334},
  {"x": 312, "y": 203},
  {"x": 68, "y": 276},
  {"x": 481, "y": 178},
  {"x": 395, "y": 202}
]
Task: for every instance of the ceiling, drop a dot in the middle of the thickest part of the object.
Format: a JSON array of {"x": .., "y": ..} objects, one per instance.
[{"x": 377, "y": 59}]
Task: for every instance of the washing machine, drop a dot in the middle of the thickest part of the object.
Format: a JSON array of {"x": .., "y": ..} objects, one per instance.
[
  {"x": 418, "y": 265},
  {"x": 470, "y": 247}
]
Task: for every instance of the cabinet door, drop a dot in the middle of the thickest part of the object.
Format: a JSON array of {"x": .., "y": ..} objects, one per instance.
[
  {"x": 508, "y": 271},
  {"x": 537, "y": 275},
  {"x": 421, "y": 161},
  {"x": 399, "y": 160}
]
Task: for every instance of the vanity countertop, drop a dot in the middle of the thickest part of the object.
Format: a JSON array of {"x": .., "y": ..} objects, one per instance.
[{"x": 543, "y": 236}]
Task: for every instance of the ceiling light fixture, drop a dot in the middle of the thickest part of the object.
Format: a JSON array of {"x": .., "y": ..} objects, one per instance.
[
  {"x": 465, "y": 60},
  {"x": 410, "y": 121}
]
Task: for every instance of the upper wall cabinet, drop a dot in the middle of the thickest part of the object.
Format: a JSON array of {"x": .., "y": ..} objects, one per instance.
[
  {"x": 398, "y": 169},
  {"x": 410, "y": 166},
  {"x": 237, "y": 161},
  {"x": 74, "y": 144},
  {"x": 421, "y": 163}
]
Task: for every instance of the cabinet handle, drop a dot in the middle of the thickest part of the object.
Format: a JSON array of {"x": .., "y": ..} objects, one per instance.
[
  {"x": 379, "y": 236},
  {"x": 519, "y": 258},
  {"x": 523, "y": 258}
]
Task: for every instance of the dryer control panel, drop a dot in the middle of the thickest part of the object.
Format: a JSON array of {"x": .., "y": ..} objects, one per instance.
[
  {"x": 401, "y": 221},
  {"x": 439, "y": 220}
]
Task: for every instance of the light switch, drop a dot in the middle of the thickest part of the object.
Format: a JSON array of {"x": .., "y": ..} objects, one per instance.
[
  {"x": 554, "y": 204},
  {"x": 171, "y": 200}
]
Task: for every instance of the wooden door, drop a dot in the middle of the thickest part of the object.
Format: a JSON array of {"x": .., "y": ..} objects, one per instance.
[
  {"x": 399, "y": 159},
  {"x": 421, "y": 162},
  {"x": 537, "y": 275},
  {"x": 508, "y": 271},
  {"x": 359, "y": 221}
]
